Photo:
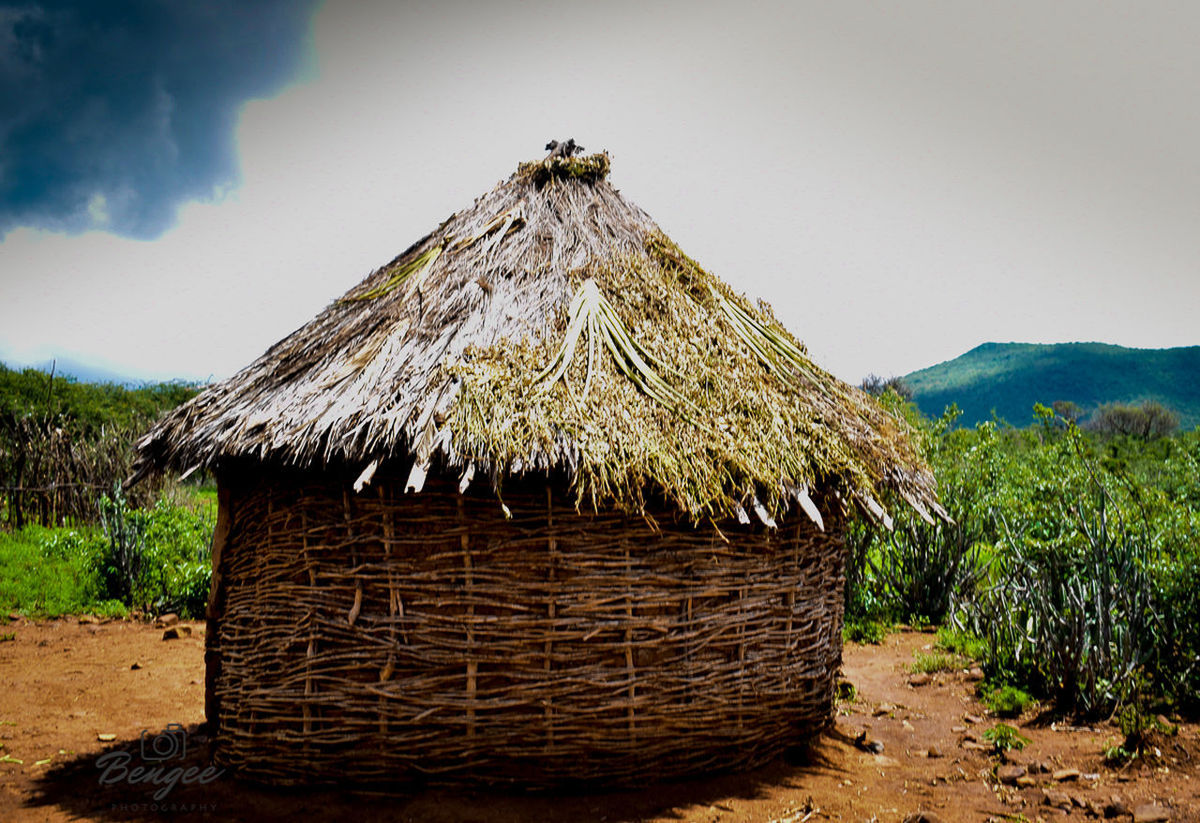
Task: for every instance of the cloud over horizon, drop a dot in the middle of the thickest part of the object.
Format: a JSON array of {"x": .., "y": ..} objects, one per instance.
[{"x": 113, "y": 115}]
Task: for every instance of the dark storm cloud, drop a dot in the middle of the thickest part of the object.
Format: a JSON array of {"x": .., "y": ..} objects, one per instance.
[{"x": 112, "y": 114}]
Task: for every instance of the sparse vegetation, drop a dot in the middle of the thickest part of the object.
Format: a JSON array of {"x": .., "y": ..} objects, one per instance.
[{"x": 1004, "y": 737}]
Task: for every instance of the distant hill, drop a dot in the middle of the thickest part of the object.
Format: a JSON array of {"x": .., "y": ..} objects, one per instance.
[{"x": 1008, "y": 378}]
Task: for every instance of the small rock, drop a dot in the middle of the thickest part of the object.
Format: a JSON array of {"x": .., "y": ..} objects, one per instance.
[
  {"x": 971, "y": 718},
  {"x": 136, "y": 665},
  {"x": 974, "y": 673},
  {"x": 908, "y": 727},
  {"x": 87, "y": 618},
  {"x": 882, "y": 709},
  {"x": 169, "y": 619},
  {"x": 1090, "y": 776},
  {"x": 1095, "y": 809},
  {"x": 1162, "y": 720},
  {"x": 106, "y": 738},
  {"x": 978, "y": 747},
  {"x": 1150, "y": 813},
  {"x": 1026, "y": 782},
  {"x": 1063, "y": 775},
  {"x": 1115, "y": 807},
  {"x": 919, "y": 679},
  {"x": 14, "y": 616},
  {"x": 1079, "y": 801},
  {"x": 1009, "y": 774},
  {"x": 922, "y": 817},
  {"x": 176, "y": 632},
  {"x": 1013, "y": 756},
  {"x": 934, "y": 751},
  {"x": 1053, "y": 797},
  {"x": 971, "y": 736},
  {"x": 1042, "y": 767}
]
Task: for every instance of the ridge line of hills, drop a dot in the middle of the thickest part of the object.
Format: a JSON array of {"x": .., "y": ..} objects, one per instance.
[{"x": 1008, "y": 378}]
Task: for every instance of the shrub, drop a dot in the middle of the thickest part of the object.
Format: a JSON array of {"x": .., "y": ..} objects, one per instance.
[
  {"x": 1007, "y": 701},
  {"x": 1004, "y": 737}
]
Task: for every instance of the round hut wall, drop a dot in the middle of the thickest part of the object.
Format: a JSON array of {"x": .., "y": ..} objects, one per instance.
[{"x": 385, "y": 636}]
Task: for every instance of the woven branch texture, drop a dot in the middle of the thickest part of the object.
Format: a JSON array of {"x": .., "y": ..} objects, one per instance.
[{"x": 426, "y": 638}]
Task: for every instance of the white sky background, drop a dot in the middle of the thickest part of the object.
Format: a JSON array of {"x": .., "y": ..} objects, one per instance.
[{"x": 902, "y": 181}]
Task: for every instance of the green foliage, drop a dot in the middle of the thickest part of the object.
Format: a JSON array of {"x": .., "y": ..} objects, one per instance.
[
  {"x": 962, "y": 643},
  {"x": 92, "y": 406},
  {"x": 1004, "y": 737},
  {"x": 933, "y": 662},
  {"x": 1006, "y": 379},
  {"x": 157, "y": 558},
  {"x": 1073, "y": 559},
  {"x": 47, "y": 572},
  {"x": 866, "y": 631},
  {"x": 153, "y": 559},
  {"x": 63, "y": 444},
  {"x": 1007, "y": 701}
]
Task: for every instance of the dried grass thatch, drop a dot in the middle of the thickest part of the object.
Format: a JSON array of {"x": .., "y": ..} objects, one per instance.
[{"x": 553, "y": 325}]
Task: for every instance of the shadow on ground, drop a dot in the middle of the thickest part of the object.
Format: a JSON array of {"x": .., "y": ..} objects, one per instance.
[{"x": 107, "y": 787}]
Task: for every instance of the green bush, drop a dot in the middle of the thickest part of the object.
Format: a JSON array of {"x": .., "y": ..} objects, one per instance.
[
  {"x": 1007, "y": 701},
  {"x": 48, "y": 572},
  {"x": 866, "y": 631}
]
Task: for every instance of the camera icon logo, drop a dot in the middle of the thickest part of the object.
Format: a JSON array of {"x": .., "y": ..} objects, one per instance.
[{"x": 169, "y": 744}]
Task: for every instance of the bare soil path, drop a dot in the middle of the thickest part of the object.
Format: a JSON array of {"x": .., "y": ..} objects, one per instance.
[{"x": 64, "y": 683}]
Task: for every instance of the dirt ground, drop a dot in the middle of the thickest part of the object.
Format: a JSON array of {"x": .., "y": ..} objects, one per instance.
[{"x": 66, "y": 683}]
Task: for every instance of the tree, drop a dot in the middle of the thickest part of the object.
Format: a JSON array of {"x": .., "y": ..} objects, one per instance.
[
  {"x": 1149, "y": 421},
  {"x": 875, "y": 386}
]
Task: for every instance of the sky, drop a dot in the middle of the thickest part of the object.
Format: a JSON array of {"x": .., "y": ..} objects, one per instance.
[{"x": 182, "y": 184}]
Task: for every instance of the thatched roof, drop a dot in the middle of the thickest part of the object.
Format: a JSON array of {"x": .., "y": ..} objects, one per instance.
[{"x": 552, "y": 325}]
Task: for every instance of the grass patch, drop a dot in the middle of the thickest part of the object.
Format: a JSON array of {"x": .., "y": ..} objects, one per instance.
[
  {"x": 963, "y": 644},
  {"x": 48, "y": 572},
  {"x": 866, "y": 631},
  {"x": 934, "y": 662},
  {"x": 1007, "y": 701}
]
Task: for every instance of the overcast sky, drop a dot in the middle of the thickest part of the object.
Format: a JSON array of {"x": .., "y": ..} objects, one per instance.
[{"x": 182, "y": 184}]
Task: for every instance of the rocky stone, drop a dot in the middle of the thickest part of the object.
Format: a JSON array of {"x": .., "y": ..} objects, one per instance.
[
  {"x": 908, "y": 727},
  {"x": 919, "y": 679},
  {"x": 165, "y": 620},
  {"x": 85, "y": 619},
  {"x": 1151, "y": 813},
  {"x": 958, "y": 729},
  {"x": 136, "y": 665},
  {"x": 974, "y": 673},
  {"x": 1115, "y": 807},
  {"x": 923, "y": 817},
  {"x": 1055, "y": 798},
  {"x": 1026, "y": 782},
  {"x": 106, "y": 738},
  {"x": 1010, "y": 773},
  {"x": 972, "y": 718},
  {"x": 882, "y": 709},
  {"x": 1063, "y": 775},
  {"x": 176, "y": 632},
  {"x": 1079, "y": 801},
  {"x": 934, "y": 751}
]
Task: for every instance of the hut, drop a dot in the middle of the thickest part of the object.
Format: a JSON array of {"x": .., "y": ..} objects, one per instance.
[{"x": 539, "y": 502}]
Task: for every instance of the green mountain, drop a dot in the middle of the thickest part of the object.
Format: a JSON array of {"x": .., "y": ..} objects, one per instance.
[{"x": 1008, "y": 378}]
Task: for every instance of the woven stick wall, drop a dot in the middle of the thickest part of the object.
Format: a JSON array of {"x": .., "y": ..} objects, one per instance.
[{"x": 382, "y": 637}]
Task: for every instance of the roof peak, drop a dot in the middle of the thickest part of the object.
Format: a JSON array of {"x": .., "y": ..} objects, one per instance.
[{"x": 566, "y": 161}]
